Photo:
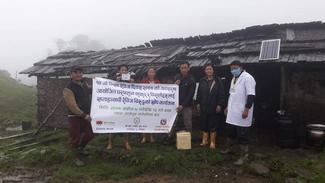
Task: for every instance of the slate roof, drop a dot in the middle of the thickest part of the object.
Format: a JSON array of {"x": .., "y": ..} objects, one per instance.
[{"x": 220, "y": 49}]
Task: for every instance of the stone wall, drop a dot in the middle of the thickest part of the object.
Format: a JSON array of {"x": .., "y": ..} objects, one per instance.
[{"x": 49, "y": 93}]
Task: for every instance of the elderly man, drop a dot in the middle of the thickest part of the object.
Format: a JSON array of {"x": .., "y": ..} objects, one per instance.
[
  {"x": 77, "y": 96},
  {"x": 240, "y": 107}
]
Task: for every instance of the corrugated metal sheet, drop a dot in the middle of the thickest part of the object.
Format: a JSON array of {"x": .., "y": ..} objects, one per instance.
[
  {"x": 229, "y": 50},
  {"x": 198, "y": 62},
  {"x": 246, "y": 51},
  {"x": 111, "y": 57},
  {"x": 284, "y": 58},
  {"x": 252, "y": 59},
  {"x": 227, "y": 60},
  {"x": 32, "y": 69}
]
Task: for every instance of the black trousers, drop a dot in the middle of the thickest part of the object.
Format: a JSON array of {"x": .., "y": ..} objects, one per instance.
[
  {"x": 209, "y": 122},
  {"x": 238, "y": 132}
]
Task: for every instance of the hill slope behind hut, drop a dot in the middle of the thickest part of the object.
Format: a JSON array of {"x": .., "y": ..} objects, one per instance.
[{"x": 17, "y": 101}]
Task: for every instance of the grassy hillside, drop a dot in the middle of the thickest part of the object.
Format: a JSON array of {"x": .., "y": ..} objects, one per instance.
[{"x": 17, "y": 102}]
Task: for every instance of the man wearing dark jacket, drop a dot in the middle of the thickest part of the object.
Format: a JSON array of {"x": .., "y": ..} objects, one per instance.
[
  {"x": 187, "y": 86},
  {"x": 77, "y": 98}
]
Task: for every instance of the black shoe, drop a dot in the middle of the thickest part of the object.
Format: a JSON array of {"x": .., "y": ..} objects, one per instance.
[
  {"x": 168, "y": 141},
  {"x": 82, "y": 152},
  {"x": 225, "y": 151},
  {"x": 165, "y": 142},
  {"x": 78, "y": 162}
]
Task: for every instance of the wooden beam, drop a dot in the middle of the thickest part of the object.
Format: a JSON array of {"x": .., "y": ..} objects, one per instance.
[
  {"x": 24, "y": 146},
  {"x": 15, "y": 136},
  {"x": 283, "y": 87},
  {"x": 17, "y": 143}
]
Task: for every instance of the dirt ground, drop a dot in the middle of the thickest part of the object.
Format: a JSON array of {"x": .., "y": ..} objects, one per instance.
[
  {"x": 28, "y": 175},
  {"x": 172, "y": 179}
]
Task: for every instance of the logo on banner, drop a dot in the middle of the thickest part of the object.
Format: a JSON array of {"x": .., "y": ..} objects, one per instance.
[
  {"x": 163, "y": 121},
  {"x": 99, "y": 123},
  {"x": 136, "y": 120}
]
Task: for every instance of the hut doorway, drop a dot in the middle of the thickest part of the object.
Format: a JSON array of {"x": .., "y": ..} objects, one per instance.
[{"x": 268, "y": 91}]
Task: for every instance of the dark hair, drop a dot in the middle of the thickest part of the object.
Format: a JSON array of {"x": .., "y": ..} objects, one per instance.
[
  {"x": 75, "y": 68},
  {"x": 236, "y": 63},
  {"x": 208, "y": 65},
  {"x": 184, "y": 62},
  {"x": 123, "y": 65},
  {"x": 146, "y": 74},
  {"x": 150, "y": 68}
]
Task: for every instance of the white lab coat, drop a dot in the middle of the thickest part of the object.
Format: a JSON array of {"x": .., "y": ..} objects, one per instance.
[{"x": 244, "y": 86}]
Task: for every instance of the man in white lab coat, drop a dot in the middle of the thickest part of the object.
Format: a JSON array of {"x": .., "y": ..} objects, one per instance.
[{"x": 240, "y": 107}]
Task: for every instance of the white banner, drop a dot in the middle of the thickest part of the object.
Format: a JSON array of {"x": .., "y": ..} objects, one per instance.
[{"x": 133, "y": 108}]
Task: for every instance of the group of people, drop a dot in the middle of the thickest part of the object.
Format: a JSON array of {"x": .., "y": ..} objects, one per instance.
[{"x": 211, "y": 102}]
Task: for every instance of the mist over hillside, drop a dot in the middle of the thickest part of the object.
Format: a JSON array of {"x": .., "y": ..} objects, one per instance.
[{"x": 17, "y": 101}]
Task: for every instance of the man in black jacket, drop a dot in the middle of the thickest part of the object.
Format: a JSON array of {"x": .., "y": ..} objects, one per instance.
[
  {"x": 187, "y": 86},
  {"x": 77, "y": 96}
]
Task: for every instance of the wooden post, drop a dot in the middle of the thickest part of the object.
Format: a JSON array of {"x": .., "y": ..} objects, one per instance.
[{"x": 282, "y": 87}]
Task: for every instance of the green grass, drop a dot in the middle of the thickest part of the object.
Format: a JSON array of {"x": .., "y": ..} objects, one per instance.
[
  {"x": 115, "y": 165},
  {"x": 153, "y": 159},
  {"x": 307, "y": 167},
  {"x": 17, "y": 102}
]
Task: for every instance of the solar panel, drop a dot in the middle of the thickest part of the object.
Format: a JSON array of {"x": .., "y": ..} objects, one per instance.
[{"x": 270, "y": 49}]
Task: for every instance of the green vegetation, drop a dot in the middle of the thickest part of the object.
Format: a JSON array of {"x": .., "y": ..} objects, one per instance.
[
  {"x": 17, "y": 102},
  {"x": 118, "y": 164},
  {"x": 308, "y": 166},
  {"x": 51, "y": 153}
]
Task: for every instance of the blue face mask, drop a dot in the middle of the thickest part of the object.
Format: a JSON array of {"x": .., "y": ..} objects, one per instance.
[{"x": 236, "y": 72}]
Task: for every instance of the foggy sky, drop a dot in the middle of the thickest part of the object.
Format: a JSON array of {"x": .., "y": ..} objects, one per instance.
[{"x": 28, "y": 28}]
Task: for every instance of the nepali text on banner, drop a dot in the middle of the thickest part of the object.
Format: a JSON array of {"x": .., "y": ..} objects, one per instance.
[{"x": 119, "y": 107}]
